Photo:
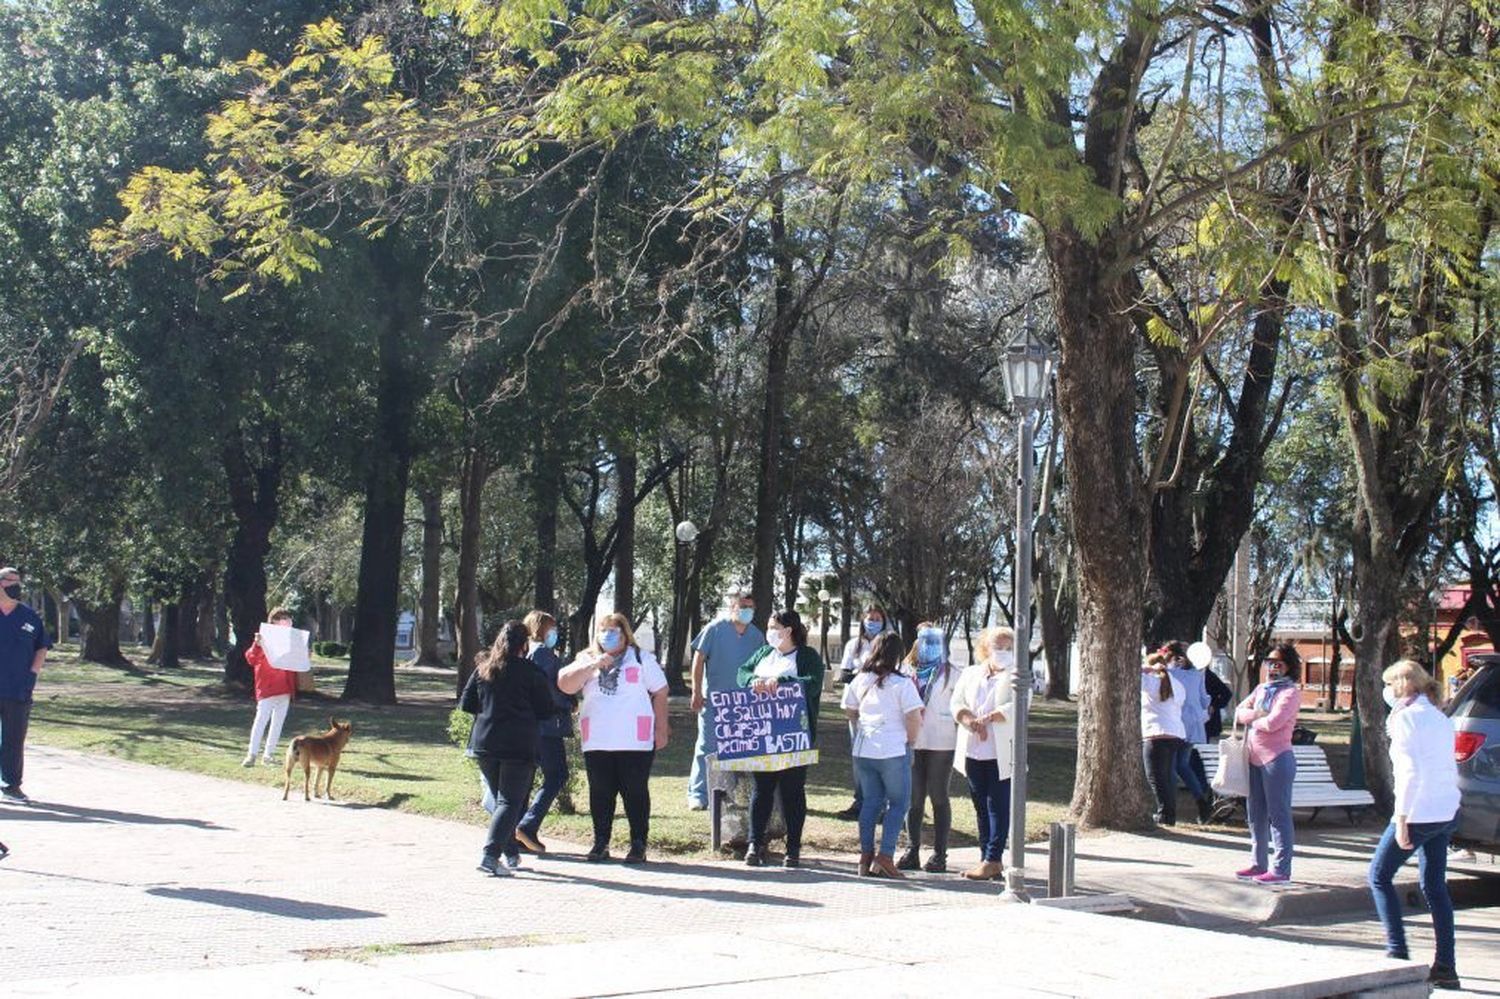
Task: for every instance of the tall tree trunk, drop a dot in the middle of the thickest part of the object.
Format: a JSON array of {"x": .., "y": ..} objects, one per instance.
[
  {"x": 165, "y": 653},
  {"x": 101, "y": 636},
  {"x": 254, "y": 486},
  {"x": 430, "y": 612},
  {"x": 773, "y": 416},
  {"x": 1056, "y": 637},
  {"x": 1097, "y": 403},
  {"x": 148, "y": 623},
  {"x": 625, "y": 484},
  {"x": 475, "y": 471},
  {"x": 547, "y": 478},
  {"x": 388, "y": 454},
  {"x": 188, "y": 605}
]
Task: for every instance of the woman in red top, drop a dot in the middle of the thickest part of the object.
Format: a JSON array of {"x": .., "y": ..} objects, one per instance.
[{"x": 273, "y": 695}]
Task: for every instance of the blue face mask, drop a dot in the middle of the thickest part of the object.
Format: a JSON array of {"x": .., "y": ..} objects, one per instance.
[
  {"x": 873, "y": 628},
  {"x": 744, "y": 614},
  {"x": 550, "y": 640},
  {"x": 609, "y": 640},
  {"x": 929, "y": 648}
]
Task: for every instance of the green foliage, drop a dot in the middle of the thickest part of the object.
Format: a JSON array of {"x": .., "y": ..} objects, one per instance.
[{"x": 331, "y": 650}]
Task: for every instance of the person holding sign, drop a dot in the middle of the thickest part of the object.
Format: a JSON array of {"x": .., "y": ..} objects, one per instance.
[
  {"x": 981, "y": 706},
  {"x": 622, "y": 723},
  {"x": 718, "y": 652},
  {"x": 273, "y": 694},
  {"x": 932, "y": 755},
  {"x": 785, "y": 659},
  {"x": 887, "y": 712}
]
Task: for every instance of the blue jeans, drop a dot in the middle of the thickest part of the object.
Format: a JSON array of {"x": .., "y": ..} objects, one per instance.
[
  {"x": 1186, "y": 773},
  {"x": 697, "y": 791},
  {"x": 1429, "y": 842},
  {"x": 991, "y": 806},
  {"x": 553, "y": 752},
  {"x": 1269, "y": 808},
  {"x": 885, "y": 786}
]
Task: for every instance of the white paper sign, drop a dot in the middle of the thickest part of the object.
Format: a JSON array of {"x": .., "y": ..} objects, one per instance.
[{"x": 285, "y": 647}]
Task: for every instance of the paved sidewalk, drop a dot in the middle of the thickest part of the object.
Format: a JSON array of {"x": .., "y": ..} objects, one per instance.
[
  {"x": 198, "y": 885},
  {"x": 141, "y": 868}
]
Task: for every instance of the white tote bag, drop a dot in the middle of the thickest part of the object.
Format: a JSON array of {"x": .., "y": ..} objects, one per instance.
[{"x": 1232, "y": 780}]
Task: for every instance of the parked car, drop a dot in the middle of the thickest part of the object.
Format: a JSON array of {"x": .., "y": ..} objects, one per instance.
[{"x": 1475, "y": 710}]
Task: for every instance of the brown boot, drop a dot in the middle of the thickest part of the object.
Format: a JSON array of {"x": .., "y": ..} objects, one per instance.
[
  {"x": 885, "y": 867},
  {"x": 987, "y": 870},
  {"x": 864, "y": 864}
]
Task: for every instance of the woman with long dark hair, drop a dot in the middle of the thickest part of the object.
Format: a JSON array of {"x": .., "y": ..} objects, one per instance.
[
  {"x": 508, "y": 697},
  {"x": 1161, "y": 735},
  {"x": 886, "y": 711},
  {"x": 1269, "y": 714},
  {"x": 785, "y": 659}
]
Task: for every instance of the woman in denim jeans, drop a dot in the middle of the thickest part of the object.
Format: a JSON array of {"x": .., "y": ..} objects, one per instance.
[
  {"x": 1269, "y": 714},
  {"x": 1427, "y": 797},
  {"x": 886, "y": 711}
]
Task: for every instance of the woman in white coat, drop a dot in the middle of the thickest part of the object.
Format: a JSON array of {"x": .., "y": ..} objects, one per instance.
[
  {"x": 981, "y": 706},
  {"x": 932, "y": 753}
]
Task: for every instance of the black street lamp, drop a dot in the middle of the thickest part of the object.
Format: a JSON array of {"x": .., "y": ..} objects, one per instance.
[{"x": 1028, "y": 374}]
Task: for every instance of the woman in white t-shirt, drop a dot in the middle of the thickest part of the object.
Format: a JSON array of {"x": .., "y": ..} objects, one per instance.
[
  {"x": 622, "y": 722},
  {"x": 981, "y": 707},
  {"x": 886, "y": 711},
  {"x": 932, "y": 753}
]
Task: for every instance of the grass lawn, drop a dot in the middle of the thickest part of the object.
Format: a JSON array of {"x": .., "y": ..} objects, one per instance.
[{"x": 402, "y": 757}]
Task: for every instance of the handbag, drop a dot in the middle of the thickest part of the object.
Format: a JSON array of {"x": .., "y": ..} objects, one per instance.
[{"x": 1232, "y": 779}]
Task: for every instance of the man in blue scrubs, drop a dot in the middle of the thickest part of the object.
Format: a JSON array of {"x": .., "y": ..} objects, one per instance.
[
  {"x": 23, "y": 650},
  {"x": 719, "y": 651}
]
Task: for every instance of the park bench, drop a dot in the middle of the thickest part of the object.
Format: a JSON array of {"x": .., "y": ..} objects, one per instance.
[{"x": 1313, "y": 788}]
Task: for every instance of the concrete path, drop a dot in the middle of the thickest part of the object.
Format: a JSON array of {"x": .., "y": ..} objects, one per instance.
[{"x": 133, "y": 880}]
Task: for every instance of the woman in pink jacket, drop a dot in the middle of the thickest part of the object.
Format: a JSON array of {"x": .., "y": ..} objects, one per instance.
[{"x": 1269, "y": 714}]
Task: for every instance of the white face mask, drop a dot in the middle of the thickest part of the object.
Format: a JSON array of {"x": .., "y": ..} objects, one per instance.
[
  {"x": 1004, "y": 658},
  {"x": 775, "y": 637},
  {"x": 1391, "y": 700}
]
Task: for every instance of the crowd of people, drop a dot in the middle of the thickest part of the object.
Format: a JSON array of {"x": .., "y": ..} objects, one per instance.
[{"x": 913, "y": 715}]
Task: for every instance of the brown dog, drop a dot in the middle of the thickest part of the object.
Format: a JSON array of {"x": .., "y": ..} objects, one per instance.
[{"x": 322, "y": 751}]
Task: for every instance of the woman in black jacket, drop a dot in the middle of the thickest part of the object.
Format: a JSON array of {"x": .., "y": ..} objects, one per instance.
[{"x": 508, "y": 697}]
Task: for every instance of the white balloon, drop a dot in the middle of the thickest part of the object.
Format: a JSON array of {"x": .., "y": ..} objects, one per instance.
[{"x": 1199, "y": 654}]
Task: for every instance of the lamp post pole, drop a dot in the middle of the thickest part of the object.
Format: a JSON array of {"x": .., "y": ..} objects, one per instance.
[
  {"x": 1028, "y": 372},
  {"x": 1015, "y": 873}
]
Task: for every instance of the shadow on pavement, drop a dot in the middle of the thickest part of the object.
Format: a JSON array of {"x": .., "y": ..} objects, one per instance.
[
  {"x": 269, "y": 904},
  {"x": 678, "y": 891},
  {"x": 41, "y": 811}
]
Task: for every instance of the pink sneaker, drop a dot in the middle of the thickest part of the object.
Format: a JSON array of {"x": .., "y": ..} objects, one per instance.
[
  {"x": 1250, "y": 872},
  {"x": 1270, "y": 878}
]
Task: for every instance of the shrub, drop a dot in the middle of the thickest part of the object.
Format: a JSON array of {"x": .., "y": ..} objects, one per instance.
[{"x": 331, "y": 650}]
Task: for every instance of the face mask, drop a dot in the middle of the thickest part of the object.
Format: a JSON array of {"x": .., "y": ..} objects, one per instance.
[
  {"x": 1275, "y": 671},
  {"x": 609, "y": 640},
  {"x": 929, "y": 648},
  {"x": 873, "y": 628},
  {"x": 744, "y": 614},
  {"x": 775, "y": 637},
  {"x": 1005, "y": 658},
  {"x": 1390, "y": 698},
  {"x": 550, "y": 640},
  {"x": 13, "y": 591}
]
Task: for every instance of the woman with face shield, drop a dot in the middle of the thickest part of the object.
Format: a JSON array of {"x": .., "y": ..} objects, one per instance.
[
  {"x": 1269, "y": 714},
  {"x": 932, "y": 753}
]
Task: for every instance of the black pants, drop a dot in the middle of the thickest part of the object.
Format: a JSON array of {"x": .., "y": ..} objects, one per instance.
[
  {"x": 510, "y": 783},
  {"x": 1160, "y": 758},
  {"x": 15, "y": 716},
  {"x": 793, "y": 785},
  {"x": 625, "y": 773},
  {"x": 930, "y": 770}
]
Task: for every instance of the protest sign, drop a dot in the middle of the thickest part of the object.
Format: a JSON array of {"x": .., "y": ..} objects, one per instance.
[
  {"x": 285, "y": 648},
  {"x": 761, "y": 732}
]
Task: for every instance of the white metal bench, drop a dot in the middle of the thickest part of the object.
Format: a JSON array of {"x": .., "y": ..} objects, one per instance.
[{"x": 1313, "y": 788}]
